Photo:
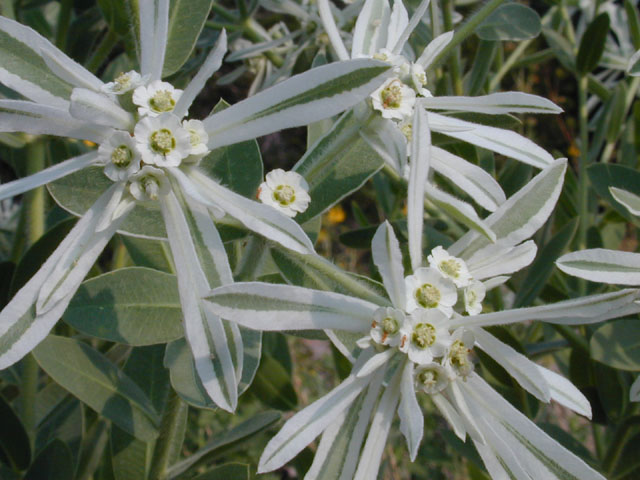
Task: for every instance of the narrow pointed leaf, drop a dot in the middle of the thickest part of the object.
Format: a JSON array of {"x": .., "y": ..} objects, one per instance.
[
  {"x": 410, "y": 412},
  {"x": 602, "y": 265},
  {"x": 566, "y": 393},
  {"x": 592, "y": 44},
  {"x": 388, "y": 258},
  {"x": 629, "y": 200},
  {"x": 495, "y": 103},
  {"x": 617, "y": 344},
  {"x": 14, "y": 440},
  {"x": 370, "y": 32}
]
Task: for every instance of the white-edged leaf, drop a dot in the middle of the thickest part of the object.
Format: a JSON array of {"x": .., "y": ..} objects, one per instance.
[
  {"x": 434, "y": 48},
  {"x": 266, "y": 306},
  {"x": 517, "y": 365},
  {"x": 67, "y": 69},
  {"x": 331, "y": 28},
  {"x": 306, "y": 425},
  {"x": 471, "y": 179},
  {"x": 402, "y": 38},
  {"x": 633, "y": 68},
  {"x": 29, "y": 117},
  {"x": 388, "y": 141},
  {"x": 450, "y": 415},
  {"x": 602, "y": 265},
  {"x": 410, "y": 412},
  {"x": 99, "y": 109},
  {"x": 374, "y": 363},
  {"x": 398, "y": 21},
  {"x": 497, "y": 259},
  {"x": 579, "y": 311},
  {"x": 521, "y": 215},
  {"x": 629, "y": 200},
  {"x": 388, "y": 258},
  {"x": 460, "y": 401},
  {"x": 418, "y": 174},
  {"x": 47, "y": 175},
  {"x": 634, "y": 392},
  {"x": 566, "y": 393},
  {"x": 494, "y": 103},
  {"x": 459, "y": 210},
  {"x": 370, "y": 31},
  {"x": 262, "y": 219},
  {"x": 499, "y": 140},
  {"x": 302, "y": 99}
]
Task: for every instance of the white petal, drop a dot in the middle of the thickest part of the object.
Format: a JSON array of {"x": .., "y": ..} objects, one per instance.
[
  {"x": 388, "y": 258},
  {"x": 601, "y": 265},
  {"x": 517, "y": 365},
  {"x": 209, "y": 67},
  {"x": 332, "y": 30},
  {"x": 418, "y": 173},
  {"x": 306, "y": 425},
  {"x": 265, "y": 306},
  {"x": 499, "y": 140},
  {"x": 471, "y": 179},
  {"x": 47, "y": 175},
  {"x": 565, "y": 393},
  {"x": 495, "y": 103},
  {"x": 433, "y": 49},
  {"x": 410, "y": 413}
]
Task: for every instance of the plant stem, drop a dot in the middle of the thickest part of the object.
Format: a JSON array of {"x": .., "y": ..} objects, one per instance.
[
  {"x": 102, "y": 52},
  {"x": 64, "y": 18},
  {"x": 224, "y": 13},
  {"x": 468, "y": 28},
  {"x": 7, "y": 9},
  {"x": 253, "y": 34},
  {"x": 576, "y": 340},
  {"x": 620, "y": 438},
  {"x": 169, "y": 427},
  {"x": 583, "y": 185},
  {"x": 447, "y": 15}
]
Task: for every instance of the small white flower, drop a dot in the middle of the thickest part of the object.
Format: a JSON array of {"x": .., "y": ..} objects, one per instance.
[
  {"x": 156, "y": 98},
  {"x": 148, "y": 184},
  {"x": 285, "y": 191},
  {"x": 431, "y": 378},
  {"x": 425, "y": 336},
  {"x": 387, "y": 326},
  {"x": 123, "y": 83},
  {"x": 119, "y": 156},
  {"x": 473, "y": 295},
  {"x": 458, "y": 356},
  {"x": 394, "y": 99},
  {"x": 419, "y": 80},
  {"x": 451, "y": 267},
  {"x": 426, "y": 288},
  {"x": 162, "y": 141},
  {"x": 198, "y": 137}
]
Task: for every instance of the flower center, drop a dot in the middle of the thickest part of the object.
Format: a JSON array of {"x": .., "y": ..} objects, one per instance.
[
  {"x": 162, "y": 141},
  {"x": 162, "y": 101},
  {"x": 459, "y": 357},
  {"x": 121, "y": 156},
  {"x": 391, "y": 96},
  {"x": 428, "y": 296},
  {"x": 450, "y": 267},
  {"x": 284, "y": 195},
  {"x": 123, "y": 81},
  {"x": 428, "y": 378},
  {"x": 194, "y": 138},
  {"x": 390, "y": 326},
  {"x": 424, "y": 334},
  {"x": 151, "y": 186},
  {"x": 407, "y": 130}
]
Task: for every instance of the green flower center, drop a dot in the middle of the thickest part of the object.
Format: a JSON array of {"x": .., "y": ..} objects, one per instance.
[
  {"x": 284, "y": 195},
  {"x": 450, "y": 267},
  {"x": 162, "y": 141},
  {"x": 428, "y": 296},
  {"x": 162, "y": 101},
  {"x": 424, "y": 334},
  {"x": 151, "y": 186},
  {"x": 194, "y": 138},
  {"x": 390, "y": 326},
  {"x": 123, "y": 81},
  {"x": 407, "y": 130},
  {"x": 121, "y": 156},
  {"x": 391, "y": 96},
  {"x": 428, "y": 378},
  {"x": 459, "y": 357}
]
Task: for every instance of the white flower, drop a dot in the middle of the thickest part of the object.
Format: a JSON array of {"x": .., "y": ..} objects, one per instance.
[
  {"x": 473, "y": 295},
  {"x": 394, "y": 99},
  {"x": 419, "y": 79},
  {"x": 386, "y": 328},
  {"x": 285, "y": 191},
  {"x": 123, "y": 83},
  {"x": 156, "y": 98},
  {"x": 458, "y": 356},
  {"x": 162, "y": 141},
  {"x": 426, "y": 288},
  {"x": 198, "y": 137},
  {"x": 451, "y": 267},
  {"x": 149, "y": 184},
  {"x": 431, "y": 378},
  {"x": 119, "y": 156},
  {"x": 425, "y": 336}
]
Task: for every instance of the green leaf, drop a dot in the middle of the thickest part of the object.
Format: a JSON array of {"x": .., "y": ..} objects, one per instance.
[
  {"x": 561, "y": 48},
  {"x": 15, "y": 448},
  {"x": 603, "y": 176},
  {"x": 149, "y": 253},
  {"x": 272, "y": 385},
  {"x": 592, "y": 44},
  {"x": 617, "y": 344},
  {"x": 510, "y": 21},
  {"x": 133, "y": 306},
  {"x": 115, "y": 12},
  {"x": 481, "y": 65},
  {"x": 54, "y": 462},
  {"x": 221, "y": 444},
  {"x": 64, "y": 422},
  {"x": 336, "y": 165},
  {"x": 129, "y": 456},
  {"x": 186, "y": 19},
  {"x": 235, "y": 471},
  {"x": 96, "y": 381},
  {"x": 633, "y": 22},
  {"x": 542, "y": 267}
]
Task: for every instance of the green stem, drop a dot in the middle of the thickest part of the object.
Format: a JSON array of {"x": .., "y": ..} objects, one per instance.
[
  {"x": 253, "y": 34},
  {"x": 251, "y": 259},
  {"x": 574, "y": 339},
  {"x": 64, "y": 18},
  {"x": 616, "y": 447},
  {"x": 169, "y": 429},
  {"x": 583, "y": 185},
  {"x": 435, "y": 24},
  {"x": 468, "y": 28},
  {"x": 456, "y": 77},
  {"x": 120, "y": 255},
  {"x": 221, "y": 25},
  {"x": 8, "y": 10},
  {"x": 224, "y": 13},
  {"x": 102, "y": 52}
]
